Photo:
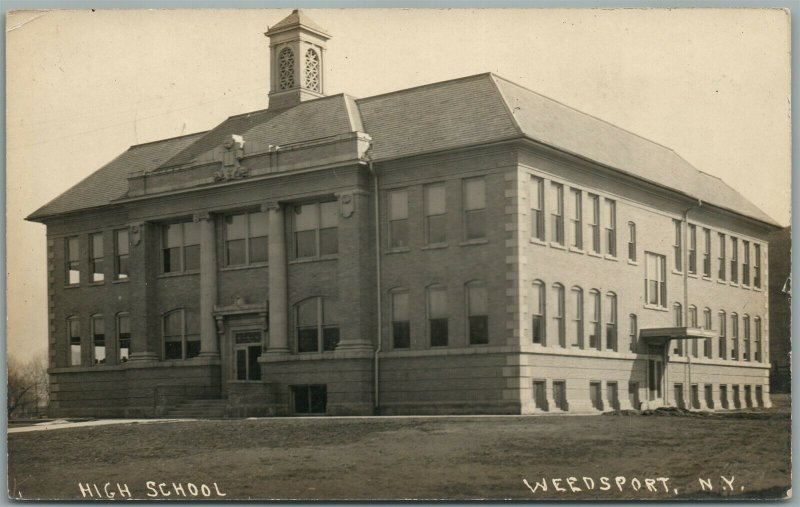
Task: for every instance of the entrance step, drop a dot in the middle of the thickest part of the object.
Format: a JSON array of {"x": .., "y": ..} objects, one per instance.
[{"x": 199, "y": 409}]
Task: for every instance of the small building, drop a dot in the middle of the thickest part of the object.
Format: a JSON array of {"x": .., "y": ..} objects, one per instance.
[{"x": 468, "y": 246}]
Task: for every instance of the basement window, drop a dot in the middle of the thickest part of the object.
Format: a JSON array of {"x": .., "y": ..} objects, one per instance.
[{"x": 309, "y": 399}]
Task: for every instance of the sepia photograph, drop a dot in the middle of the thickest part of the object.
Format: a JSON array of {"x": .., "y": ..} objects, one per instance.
[{"x": 398, "y": 254}]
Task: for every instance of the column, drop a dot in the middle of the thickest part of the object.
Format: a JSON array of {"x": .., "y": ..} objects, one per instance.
[
  {"x": 208, "y": 285},
  {"x": 145, "y": 324},
  {"x": 278, "y": 307}
]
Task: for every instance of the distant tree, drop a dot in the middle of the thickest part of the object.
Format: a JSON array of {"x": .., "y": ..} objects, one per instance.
[{"x": 27, "y": 385}]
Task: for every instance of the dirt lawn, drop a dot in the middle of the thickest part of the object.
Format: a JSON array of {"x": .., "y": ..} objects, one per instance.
[{"x": 403, "y": 458}]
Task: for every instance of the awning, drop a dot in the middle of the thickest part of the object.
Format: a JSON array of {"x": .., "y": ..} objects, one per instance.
[{"x": 662, "y": 335}]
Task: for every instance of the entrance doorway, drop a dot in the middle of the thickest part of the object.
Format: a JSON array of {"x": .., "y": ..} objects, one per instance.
[
  {"x": 655, "y": 374},
  {"x": 246, "y": 351}
]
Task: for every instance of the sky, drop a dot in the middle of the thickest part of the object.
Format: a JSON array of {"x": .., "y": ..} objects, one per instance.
[{"x": 83, "y": 86}]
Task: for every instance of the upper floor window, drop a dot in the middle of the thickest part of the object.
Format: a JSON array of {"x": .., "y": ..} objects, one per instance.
[
  {"x": 96, "y": 256},
  {"x": 474, "y": 208},
  {"x": 745, "y": 262},
  {"x": 123, "y": 337},
  {"x": 538, "y": 323},
  {"x": 285, "y": 69},
  {"x": 757, "y": 324},
  {"x": 721, "y": 258},
  {"x": 74, "y": 337},
  {"x": 181, "y": 335},
  {"x": 435, "y": 214},
  {"x": 611, "y": 321},
  {"x": 746, "y": 328},
  {"x": 398, "y": 219},
  {"x": 631, "y": 241},
  {"x": 706, "y": 253},
  {"x": 557, "y": 212},
  {"x": 437, "y": 316},
  {"x": 537, "y": 208},
  {"x": 594, "y": 224},
  {"x": 577, "y": 218},
  {"x": 634, "y": 332},
  {"x": 595, "y": 334},
  {"x": 246, "y": 238},
  {"x": 757, "y": 266},
  {"x": 180, "y": 247},
  {"x": 655, "y": 280},
  {"x": 98, "y": 340},
  {"x": 734, "y": 336},
  {"x": 692, "y": 248},
  {"x": 316, "y": 229},
  {"x": 611, "y": 227},
  {"x": 723, "y": 325},
  {"x": 401, "y": 328},
  {"x": 312, "y": 71},
  {"x": 477, "y": 313},
  {"x": 73, "y": 263},
  {"x": 317, "y": 327},
  {"x": 677, "y": 248},
  {"x": 121, "y": 254},
  {"x": 734, "y": 260},
  {"x": 577, "y": 317},
  {"x": 558, "y": 314}
]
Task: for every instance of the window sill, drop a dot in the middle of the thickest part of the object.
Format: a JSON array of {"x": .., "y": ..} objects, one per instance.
[
  {"x": 707, "y": 278},
  {"x": 576, "y": 250},
  {"x": 539, "y": 242},
  {"x": 314, "y": 259},
  {"x": 757, "y": 289},
  {"x": 633, "y": 263},
  {"x": 733, "y": 284},
  {"x": 244, "y": 267},
  {"x": 398, "y": 250},
  {"x": 175, "y": 275},
  {"x": 722, "y": 282},
  {"x": 477, "y": 241},
  {"x": 610, "y": 257},
  {"x": 677, "y": 272},
  {"x": 124, "y": 280},
  {"x": 434, "y": 246},
  {"x": 95, "y": 284},
  {"x": 692, "y": 275},
  {"x": 595, "y": 254},
  {"x": 559, "y": 246},
  {"x": 656, "y": 308},
  {"x": 745, "y": 286},
  {"x": 72, "y": 286}
]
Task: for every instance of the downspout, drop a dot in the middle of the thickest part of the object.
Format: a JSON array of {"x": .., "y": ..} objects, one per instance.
[
  {"x": 376, "y": 202},
  {"x": 686, "y": 294}
]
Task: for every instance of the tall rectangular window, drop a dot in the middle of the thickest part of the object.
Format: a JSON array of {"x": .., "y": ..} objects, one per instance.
[
  {"x": 677, "y": 248},
  {"x": 180, "y": 247},
  {"x": 723, "y": 339},
  {"x": 437, "y": 316},
  {"x": 734, "y": 336},
  {"x": 435, "y": 214},
  {"x": 538, "y": 323},
  {"x": 677, "y": 317},
  {"x": 557, "y": 213},
  {"x": 707, "y": 325},
  {"x": 577, "y": 317},
  {"x": 537, "y": 208},
  {"x": 693, "y": 323},
  {"x": 317, "y": 326},
  {"x": 746, "y": 328},
  {"x": 401, "y": 328},
  {"x": 706, "y": 253},
  {"x": 577, "y": 218},
  {"x": 655, "y": 280},
  {"x": 74, "y": 335},
  {"x": 611, "y": 227},
  {"x": 477, "y": 313},
  {"x": 631, "y": 241},
  {"x": 757, "y": 266},
  {"x": 595, "y": 334},
  {"x": 398, "y": 219},
  {"x": 745, "y": 262},
  {"x": 611, "y": 321},
  {"x": 73, "y": 263},
  {"x": 757, "y": 324},
  {"x": 316, "y": 229},
  {"x": 734, "y": 260},
  {"x": 246, "y": 238},
  {"x": 181, "y": 335},
  {"x": 692, "y": 249},
  {"x": 121, "y": 253},
  {"x": 721, "y": 258},
  {"x": 96, "y": 256},
  {"x": 558, "y": 314},
  {"x": 634, "y": 332},
  {"x": 594, "y": 224},
  {"x": 98, "y": 340},
  {"x": 123, "y": 337},
  {"x": 474, "y": 208}
]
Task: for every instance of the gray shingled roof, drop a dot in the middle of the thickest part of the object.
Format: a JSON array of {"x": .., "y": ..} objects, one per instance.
[
  {"x": 296, "y": 18},
  {"x": 452, "y": 114}
]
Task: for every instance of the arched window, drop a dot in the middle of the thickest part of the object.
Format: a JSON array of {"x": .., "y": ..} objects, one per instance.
[
  {"x": 538, "y": 322},
  {"x": 98, "y": 340},
  {"x": 401, "y": 328},
  {"x": 285, "y": 69},
  {"x": 438, "y": 331},
  {"x": 312, "y": 71},
  {"x": 723, "y": 339},
  {"x": 74, "y": 341},
  {"x": 558, "y": 313},
  {"x": 317, "y": 328},
  {"x": 595, "y": 333},
  {"x": 123, "y": 337},
  {"x": 577, "y": 317},
  {"x": 181, "y": 335},
  {"x": 611, "y": 321},
  {"x": 477, "y": 313}
]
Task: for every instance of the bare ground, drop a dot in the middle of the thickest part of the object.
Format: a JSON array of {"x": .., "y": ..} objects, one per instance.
[{"x": 419, "y": 458}]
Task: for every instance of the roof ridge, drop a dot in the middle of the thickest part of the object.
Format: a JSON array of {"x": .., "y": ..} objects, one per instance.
[
  {"x": 427, "y": 85},
  {"x": 509, "y": 110},
  {"x": 168, "y": 139}
]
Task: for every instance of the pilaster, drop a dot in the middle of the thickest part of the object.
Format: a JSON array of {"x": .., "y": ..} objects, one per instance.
[
  {"x": 278, "y": 306},
  {"x": 144, "y": 267},
  {"x": 208, "y": 285}
]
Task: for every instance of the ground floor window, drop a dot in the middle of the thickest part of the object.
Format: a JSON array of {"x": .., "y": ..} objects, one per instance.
[
  {"x": 759, "y": 396},
  {"x": 679, "y": 401},
  {"x": 595, "y": 395},
  {"x": 633, "y": 394},
  {"x": 695, "y": 396},
  {"x": 612, "y": 394},
  {"x": 723, "y": 396},
  {"x": 708, "y": 389},
  {"x": 317, "y": 327},
  {"x": 247, "y": 349},
  {"x": 181, "y": 335},
  {"x": 748, "y": 396},
  {"x": 539, "y": 397},
  {"x": 560, "y": 394},
  {"x": 309, "y": 399},
  {"x": 737, "y": 402}
]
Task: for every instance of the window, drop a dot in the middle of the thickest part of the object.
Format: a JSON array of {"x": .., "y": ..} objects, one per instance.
[
  {"x": 633, "y": 394},
  {"x": 612, "y": 395},
  {"x": 73, "y": 263},
  {"x": 474, "y": 208},
  {"x": 180, "y": 247},
  {"x": 96, "y": 256},
  {"x": 631, "y": 241},
  {"x": 401, "y": 328},
  {"x": 594, "y": 225},
  {"x": 677, "y": 249},
  {"x": 558, "y": 314},
  {"x": 316, "y": 229},
  {"x": 246, "y": 238},
  {"x": 123, "y": 337},
  {"x": 317, "y": 329},
  {"x": 247, "y": 350},
  {"x": 538, "y": 322},
  {"x": 560, "y": 394},
  {"x": 181, "y": 336},
  {"x": 539, "y": 397},
  {"x": 723, "y": 345},
  {"x": 477, "y": 313},
  {"x": 98, "y": 340},
  {"x": 74, "y": 335},
  {"x": 693, "y": 323},
  {"x": 577, "y": 218},
  {"x": 721, "y": 258},
  {"x": 557, "y": 213},
  {"x": 734, "y": 260},
  {"x": 311, "y": 399},
  {"x": 757, "y": 324},
  {"x": 746, "y": 328},
  {"x": 706, "y": 253},
  {"x": 677, "y": 317},
  {"x": 692, "y": 248},
  {"x": 312, "y": 71},
  {"x": 435, "y": 217},
  {"x": 611, "y": 227},
  {"x": 757, "y": 266},
  {"x": 121, "y": 252},
  {"x": 723, "y": 396},
  {"x": 595, "y": 334},
  {"x": 611, "y": 321},
  {"x": 745, "y": 262},
  {"x": 595, "y": 395},
  {"x": 655, "y": 280},
  {"x": 577, "y": 317},
  {"x": 286, "y": 69},
  {"x": 734, "y": 336},
  {"x": 398, "y": 219},
  {"x": 634, "y": 332},
  {"x": 437, "y": 316},
  {"x": 537, "y": 208},
  {"x": 708, "y": 326}
]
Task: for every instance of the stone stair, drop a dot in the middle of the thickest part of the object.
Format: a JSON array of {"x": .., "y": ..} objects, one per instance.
[{"x": 199, "y": 409}]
